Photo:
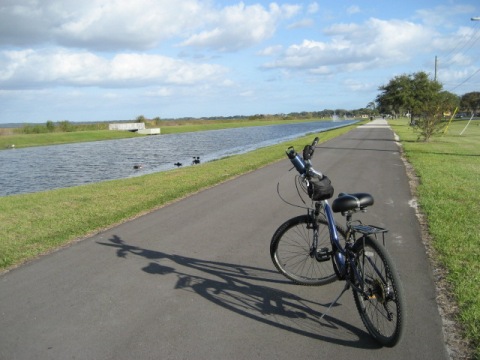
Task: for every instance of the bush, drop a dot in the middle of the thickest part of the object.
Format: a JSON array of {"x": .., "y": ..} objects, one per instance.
[
  {"x": 50, "y": 126},
  {"x": 66, "y": 126},
  {"x": 34, "y": 129}
]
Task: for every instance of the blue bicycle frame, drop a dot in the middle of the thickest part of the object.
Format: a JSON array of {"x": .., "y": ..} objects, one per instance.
[{"x": 339, "y": 251}]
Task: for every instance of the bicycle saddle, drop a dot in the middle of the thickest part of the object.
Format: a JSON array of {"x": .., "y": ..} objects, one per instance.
[{"x": 347, "y": 202}]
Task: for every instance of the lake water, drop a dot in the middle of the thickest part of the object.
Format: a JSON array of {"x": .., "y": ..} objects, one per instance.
[{"x": 48, "y": 167}]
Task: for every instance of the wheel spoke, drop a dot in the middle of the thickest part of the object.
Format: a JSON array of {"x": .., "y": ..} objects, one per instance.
[{"x": 293, "y": 253}]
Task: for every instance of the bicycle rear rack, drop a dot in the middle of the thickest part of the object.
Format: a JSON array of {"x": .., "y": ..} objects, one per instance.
[{"x": 370, "y": 230}]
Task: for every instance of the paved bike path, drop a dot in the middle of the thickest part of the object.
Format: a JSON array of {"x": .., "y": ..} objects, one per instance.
[{"x": 194, "y": 279}]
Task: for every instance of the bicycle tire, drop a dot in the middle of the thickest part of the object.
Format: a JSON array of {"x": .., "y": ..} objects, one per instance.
[
  {"x": 383, "y": 311},
  {"x": 290, "y": 251}
]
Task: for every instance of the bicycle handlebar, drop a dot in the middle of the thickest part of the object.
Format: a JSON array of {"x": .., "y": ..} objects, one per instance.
[
  {"x": 304, "y": 166},
  {"x": 308, "y": 150}
]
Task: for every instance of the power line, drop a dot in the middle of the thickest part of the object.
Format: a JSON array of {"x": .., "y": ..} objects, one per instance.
[
  {"x": 467, "y": 41},
  {"x": 464, "y": 81},
  {"x": 473, "y": 39}
]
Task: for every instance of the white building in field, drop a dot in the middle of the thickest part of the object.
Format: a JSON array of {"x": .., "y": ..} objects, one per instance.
[
  {"x": 127, "y": 126},
  {"x": 134, "y": 127}
]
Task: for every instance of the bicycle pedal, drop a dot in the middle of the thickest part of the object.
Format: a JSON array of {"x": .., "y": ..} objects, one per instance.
[{"x": 322, "y": 254}]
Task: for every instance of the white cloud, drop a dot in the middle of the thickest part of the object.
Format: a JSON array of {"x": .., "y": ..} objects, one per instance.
[
  {"x": 110, "y": 25},
  {"x": 139, "y": 24},
  {"x": 247, "y": 93},
  {"x": 30, "y": 68},
  {"x": 443, "y": 14},
  {"x": 111, "y": 96},
  {"x": 239, "y": 26},
  {"x": 358, "y": 86},
  {"x": 304, "y": 23},
  {"x": 321, "y": 70},
  {"x": 160, "y": 92},
  {"x": 459, "y": 59},
  {"x": 98, "y": 24},
  {"x": 287, "y": 11},
  {"x": 313, "y": 8},
  {"x": 354, "y": 9},
  {"x": 271, "y": 50},
  {"x": 351, "y": 47}
]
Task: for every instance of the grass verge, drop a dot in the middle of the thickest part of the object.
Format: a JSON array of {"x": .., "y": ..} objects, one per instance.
[
  {"x": 28, "y": 140},
  {"x": 448, "y": 168},
  {"x": 32, "y": 224}
]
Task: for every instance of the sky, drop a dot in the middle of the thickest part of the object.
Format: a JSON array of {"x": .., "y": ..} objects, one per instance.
[{"x": 103, "y": 60}]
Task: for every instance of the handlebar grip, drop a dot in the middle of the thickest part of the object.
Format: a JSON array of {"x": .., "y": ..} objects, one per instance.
[{"x": 308, "y": 150}]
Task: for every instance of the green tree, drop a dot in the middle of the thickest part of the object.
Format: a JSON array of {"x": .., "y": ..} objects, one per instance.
[
  {"x": 141, "y": 119},
  {"x": 394, "y": 97},
  {"x": 421, "y": 97},
  {"x": 471, "y": 102},
  {"x": 431, "y": 120},
  {"x": 65, "y": 126},
  {"x": 50, "y": 126}
]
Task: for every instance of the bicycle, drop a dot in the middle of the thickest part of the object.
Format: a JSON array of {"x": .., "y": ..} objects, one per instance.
[{"x": 312, "y": 249}]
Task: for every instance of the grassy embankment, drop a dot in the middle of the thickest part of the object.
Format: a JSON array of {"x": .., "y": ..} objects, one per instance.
[
  {"x": 448, "y": 168},
  {"x": 9, "y": 137},
  {"x": 27, "y": 140},
  {"x": 32, "y": 224}
]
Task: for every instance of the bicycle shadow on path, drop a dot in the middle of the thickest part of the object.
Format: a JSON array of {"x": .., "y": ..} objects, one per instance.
[{"x": 235, "y": 287}]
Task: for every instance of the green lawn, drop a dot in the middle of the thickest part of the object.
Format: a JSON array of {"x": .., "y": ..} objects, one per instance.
[
  {"x": 27, "y": 140},
  {"x": 448, "y": 167}
]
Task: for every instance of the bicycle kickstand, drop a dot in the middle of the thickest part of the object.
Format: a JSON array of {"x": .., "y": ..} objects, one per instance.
[{"x": 347, "y": 286}]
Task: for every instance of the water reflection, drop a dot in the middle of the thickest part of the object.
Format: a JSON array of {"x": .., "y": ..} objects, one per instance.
[{"x": 48, "y": 167}]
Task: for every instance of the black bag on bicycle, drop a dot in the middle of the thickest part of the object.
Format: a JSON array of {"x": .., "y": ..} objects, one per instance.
[{"x": 320, "y": 189}]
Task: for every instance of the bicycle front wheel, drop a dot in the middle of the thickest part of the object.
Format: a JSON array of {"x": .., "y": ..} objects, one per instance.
[
  {"x": 382, "y": 303},
  {"x": 292, "y": 253}
]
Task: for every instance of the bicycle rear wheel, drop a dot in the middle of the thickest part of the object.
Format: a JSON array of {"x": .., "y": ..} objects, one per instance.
[
  {"x": 382, "y": 305},
  {"x": 292, "y": 254}
]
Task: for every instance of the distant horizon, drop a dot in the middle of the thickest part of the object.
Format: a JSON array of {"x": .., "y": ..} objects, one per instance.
[{"x": 219, "y": 117}]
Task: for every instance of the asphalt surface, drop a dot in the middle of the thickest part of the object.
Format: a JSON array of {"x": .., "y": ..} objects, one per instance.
[{"x": 194, "y": 279}]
